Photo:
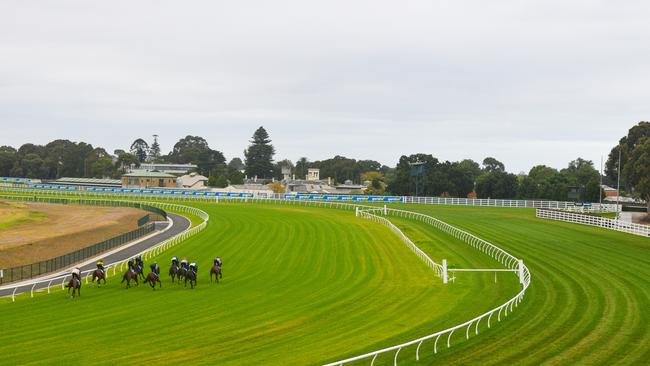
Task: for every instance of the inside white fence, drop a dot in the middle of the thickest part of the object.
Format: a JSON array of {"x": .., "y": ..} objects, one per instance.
[{"x": 612, "y": 224}]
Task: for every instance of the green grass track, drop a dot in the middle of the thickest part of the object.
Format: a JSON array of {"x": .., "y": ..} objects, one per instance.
[
  {"x": 589, "y": 301},
  {"x": 306, "y": 285},
  {"x": 301, "y": 286}
]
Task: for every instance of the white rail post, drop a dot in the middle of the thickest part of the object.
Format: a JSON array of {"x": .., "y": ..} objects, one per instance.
[
  {"x": 385, "y": 210},
  {"x": 444, "y": 271},
  {"x": 356, "y": 211},
  {"x": 521, "y": 271}
]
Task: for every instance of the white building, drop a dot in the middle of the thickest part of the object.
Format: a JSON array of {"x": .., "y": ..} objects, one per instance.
[
  {"x": 313, "y": 174},
  {"x": 192, "y": 181},
  {"x": 174, "y": 169}
]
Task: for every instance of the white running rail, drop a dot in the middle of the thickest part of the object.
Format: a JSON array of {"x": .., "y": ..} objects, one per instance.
[
  {"x": 481, "y": 202},
  {"x": 365, "y": 211},
  {"x": 612, "y": 224},
  {"x": 500, "y": 255}
]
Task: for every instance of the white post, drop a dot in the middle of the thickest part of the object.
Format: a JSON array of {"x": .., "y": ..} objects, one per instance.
[
  {"x": 385, "y": 210},
  {"x": 521, "y": 271},
  {"x": 444, "y": 271},
  {"x": 356, "y": 211}
]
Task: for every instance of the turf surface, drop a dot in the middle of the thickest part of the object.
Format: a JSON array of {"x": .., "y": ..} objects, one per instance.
[
  {"x": 306, "y": 286},
  {"x": 301, "y": 286},
  {"x": 589, "y": 302}
]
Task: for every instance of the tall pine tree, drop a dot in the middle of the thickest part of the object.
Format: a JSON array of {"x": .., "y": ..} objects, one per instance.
[
  {"x": 139, "y": 148},
  {"x": 259, "y": 155},
  {"x": 154, "y": 151}
]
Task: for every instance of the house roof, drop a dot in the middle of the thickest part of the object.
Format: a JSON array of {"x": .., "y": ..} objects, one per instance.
[
  {"x": 191, "y": 179},
  {"x": 87, "y": 181},
  {"x": 148, "y": 174}
]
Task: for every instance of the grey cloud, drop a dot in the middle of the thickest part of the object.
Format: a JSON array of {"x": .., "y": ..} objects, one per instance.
[{"x": 525, "y": 81}]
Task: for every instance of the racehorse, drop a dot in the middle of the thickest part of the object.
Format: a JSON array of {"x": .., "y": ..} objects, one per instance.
[
  {"x": 138, "y": 270},
  {"x": 182, "y": 273},
  {"x": 99, "y": 276},
  {"x": 173, "y": 272},
  {"x": 216, "y": 270},
  {"x": 152, "y": 278},
  {"x": 128, "y": 276},
  {"x": 75, "y": 285},
  {"x": 191, "y": 276}
]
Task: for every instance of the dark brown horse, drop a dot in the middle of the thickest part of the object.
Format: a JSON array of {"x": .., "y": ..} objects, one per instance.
[
  {"x": 128, "y": 277},
  {"x": 182, "y": 273},
  {"x": 173, "y": 272},
  {"x": 99, "y": 276},
  {"x": 152, "y": 278},
  {"x": 216, "y": 270},
  {"x": 138, "y": 270},
  {"x": 190, "y": 276},
  {"x": 75, "y": 285}
]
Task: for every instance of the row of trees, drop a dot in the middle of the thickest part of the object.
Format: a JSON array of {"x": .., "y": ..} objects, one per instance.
[
  {"x": 417, "y": 174},
  {"x": 56, "y": 159},
  {"x": 424, "y": 175},
  {"x": 633, "y": 152}
]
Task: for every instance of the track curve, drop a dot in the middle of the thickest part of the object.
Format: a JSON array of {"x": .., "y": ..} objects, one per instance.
[{"x": 178, "y": 224}]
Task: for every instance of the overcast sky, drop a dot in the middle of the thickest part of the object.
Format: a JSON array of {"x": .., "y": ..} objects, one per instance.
[{"x": 528, "y": 82}]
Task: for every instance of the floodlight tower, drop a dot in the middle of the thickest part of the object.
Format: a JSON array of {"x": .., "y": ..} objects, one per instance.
[{"x": 417, "y": 171}]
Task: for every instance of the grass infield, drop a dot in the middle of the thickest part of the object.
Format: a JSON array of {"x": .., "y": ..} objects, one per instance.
[{"x": 306, "y": 285}]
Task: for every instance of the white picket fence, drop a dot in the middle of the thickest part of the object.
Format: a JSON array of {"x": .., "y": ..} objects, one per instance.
[
  {"x": 509, "y": 261},
  {"x": 559, "y": 205},
  {"x": 146, "y": 254},
  {"x": 487, "y": 202},
  {"x": 612, "y": 224}
]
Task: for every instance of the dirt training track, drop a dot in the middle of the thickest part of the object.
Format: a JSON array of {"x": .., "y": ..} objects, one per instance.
[
  {"x": 40, "y": 231},
  {"x": 180, "y": 223}
]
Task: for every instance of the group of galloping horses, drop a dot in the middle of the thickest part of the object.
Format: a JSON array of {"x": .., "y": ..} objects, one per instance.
[{"x": 177, "y": 272}]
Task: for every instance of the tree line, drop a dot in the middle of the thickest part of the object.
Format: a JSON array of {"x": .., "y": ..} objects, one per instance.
[{"x": 416, "y": 174}]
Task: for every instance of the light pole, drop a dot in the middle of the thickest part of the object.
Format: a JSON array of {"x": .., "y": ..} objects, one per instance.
[
  {"x": 618, "y": 183},
  {"x": 417, "y": 169},
  {"x": 600, "y": 188}
]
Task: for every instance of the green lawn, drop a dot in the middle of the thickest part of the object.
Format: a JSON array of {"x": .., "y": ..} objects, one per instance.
[
  {"x": 301, "y": 286},
  {"x": 305, "y": 286},
  {"x": 589, "y": 301}
]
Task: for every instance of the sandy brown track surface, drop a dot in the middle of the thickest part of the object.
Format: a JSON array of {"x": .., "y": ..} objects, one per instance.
[{"x": 65, "y": 229}]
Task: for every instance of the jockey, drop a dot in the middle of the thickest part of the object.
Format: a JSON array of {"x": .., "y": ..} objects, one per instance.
[
  {"x": 76, "y": 274},
  {"x": 175, "y": 261},
  {"x": 131, "y": 267},
  {"x": 193, "y": 267},
  {"x": 184, "y": 263},
  {"x": 138, "y": 260},
  {"x": 217, "y": 262},
  {"x": 100, "y": 265},
  {"x": 154, "y": 268}
]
